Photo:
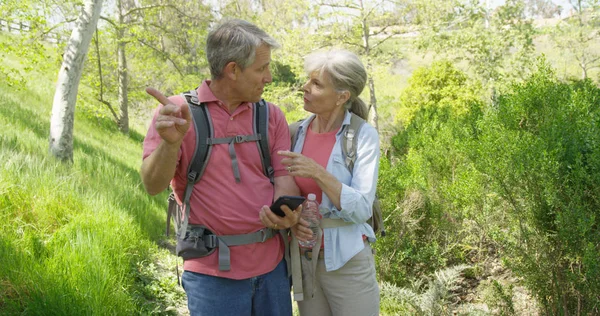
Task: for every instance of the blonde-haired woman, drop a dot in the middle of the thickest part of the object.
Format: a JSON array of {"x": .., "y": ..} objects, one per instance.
[{"x": 343, "y": 282}]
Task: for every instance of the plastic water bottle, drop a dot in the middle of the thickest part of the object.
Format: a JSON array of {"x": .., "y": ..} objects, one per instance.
[{"x": 310, "y": 213}]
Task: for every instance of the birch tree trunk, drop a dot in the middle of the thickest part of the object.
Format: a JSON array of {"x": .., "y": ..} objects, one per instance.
[
  {"x": 366, "y": 33},
  {"x": 63, "y": 107},
  {"x": 122, "y": 76}
]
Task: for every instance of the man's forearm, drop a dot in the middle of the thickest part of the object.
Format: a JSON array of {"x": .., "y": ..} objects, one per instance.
[
  {"x": 159, "y": 168},
  {"x": 285, "y": 185}
]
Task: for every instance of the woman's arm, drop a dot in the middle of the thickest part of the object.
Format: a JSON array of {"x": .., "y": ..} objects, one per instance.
[{"x": 357, "y": 198}]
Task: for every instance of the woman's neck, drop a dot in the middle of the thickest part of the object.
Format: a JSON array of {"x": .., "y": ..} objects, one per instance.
[{"x": 325, "y": 123}]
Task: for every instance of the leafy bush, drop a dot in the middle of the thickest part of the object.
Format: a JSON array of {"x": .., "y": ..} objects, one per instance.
[
  {"x": 428, "y": 185},
  {"x": 540, "y": 150},
  {"x": 517, "y": 179}
]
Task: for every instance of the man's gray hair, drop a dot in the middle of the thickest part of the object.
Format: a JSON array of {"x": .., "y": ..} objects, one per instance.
[
  {"x": 234, "y": 41},
  {"x": 347, "y": 73}
]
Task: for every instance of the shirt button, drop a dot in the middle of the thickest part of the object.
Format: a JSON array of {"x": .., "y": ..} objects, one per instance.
[{"x": 231, "y": 118}]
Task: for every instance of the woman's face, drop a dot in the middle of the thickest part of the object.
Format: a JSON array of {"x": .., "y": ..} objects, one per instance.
[{"x": 320, "y": 96}]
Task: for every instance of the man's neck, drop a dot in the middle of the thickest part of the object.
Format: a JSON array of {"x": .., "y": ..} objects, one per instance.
[{"x": 224, "y": 92}]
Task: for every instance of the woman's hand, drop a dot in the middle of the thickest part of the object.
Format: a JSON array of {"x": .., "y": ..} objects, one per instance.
[
  {"x": 272, "y": 220},
  {"x": 299, "y": 165},
  {"x": 302, "y": 230}
]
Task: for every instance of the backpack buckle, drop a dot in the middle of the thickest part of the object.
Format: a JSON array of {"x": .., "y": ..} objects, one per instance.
[
  {"x": 263, "y": 235},
  {"x": 210, "y": 241},
  {"x": 192, "y": 176},
  {"x": 239, "y": 139}
]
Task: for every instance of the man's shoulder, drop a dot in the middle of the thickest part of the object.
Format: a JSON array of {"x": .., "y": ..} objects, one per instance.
[{"x": 274, "y": 111}]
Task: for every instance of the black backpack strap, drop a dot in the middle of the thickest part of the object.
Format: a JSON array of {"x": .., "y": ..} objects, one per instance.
[
  {"x": 350, "y": 140},
  {"x": 261, "y": 127},
  {"x": 204, "y": 131}
]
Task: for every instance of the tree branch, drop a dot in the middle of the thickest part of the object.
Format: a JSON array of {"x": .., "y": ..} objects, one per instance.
[
  {"x": 163, "y": 54},
  {"x": 109, "y": 21},
  {"x": 373, "y": 8},
  {"x": 101, "y": 96},
  {"x": 111, "y": 109},
  {"x": 46, "y": 32},
  {"x": 158, "y": 6},
  {"x": 383, "y": 40},
  {"x": 333, "y": 5},
  {"x": 354, "y": 44}
]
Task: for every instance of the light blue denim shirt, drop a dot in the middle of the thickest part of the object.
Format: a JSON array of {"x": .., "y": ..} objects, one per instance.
[{"x": 358, "y": 192}]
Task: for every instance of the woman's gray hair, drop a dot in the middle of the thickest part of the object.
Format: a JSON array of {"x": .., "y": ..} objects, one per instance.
[
  {"x": 234, "y": 41},
  {"x": 347, "y": 73}
]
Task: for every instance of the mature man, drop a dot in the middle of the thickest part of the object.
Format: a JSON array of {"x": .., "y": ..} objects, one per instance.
[{"x": 232, "y": 195}]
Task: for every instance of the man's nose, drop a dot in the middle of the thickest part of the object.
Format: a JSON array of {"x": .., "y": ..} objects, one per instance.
[{"x": 268, "y": 77}]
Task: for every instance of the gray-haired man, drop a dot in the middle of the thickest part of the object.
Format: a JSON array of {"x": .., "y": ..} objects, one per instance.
[{"x": 232, "y": 195}]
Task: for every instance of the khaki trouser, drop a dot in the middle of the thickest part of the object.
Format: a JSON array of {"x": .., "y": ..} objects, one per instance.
[{"x": 350, "y": 290}]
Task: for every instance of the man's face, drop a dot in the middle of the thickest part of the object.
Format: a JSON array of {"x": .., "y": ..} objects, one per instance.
[{"x": 252, "y": 80}]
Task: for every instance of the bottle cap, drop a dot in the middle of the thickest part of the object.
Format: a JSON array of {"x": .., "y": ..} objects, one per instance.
[{"x": 312, "y": 196}]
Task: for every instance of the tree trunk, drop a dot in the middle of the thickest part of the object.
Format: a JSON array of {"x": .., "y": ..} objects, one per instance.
[
  {"x": 65, "y": 97},
  {"x": 373, "y": 102},
  {"x": 367, "y": 47},
  {"x": 123, "y": 82},
  {"x": 122, "y": 71}
]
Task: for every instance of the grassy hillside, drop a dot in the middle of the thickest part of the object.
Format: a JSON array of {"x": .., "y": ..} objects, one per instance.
[{"x": 78, "y": 239}]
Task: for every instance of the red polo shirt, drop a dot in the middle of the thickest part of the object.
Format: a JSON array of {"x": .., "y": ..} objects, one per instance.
[{"x": 217, "y": 201}]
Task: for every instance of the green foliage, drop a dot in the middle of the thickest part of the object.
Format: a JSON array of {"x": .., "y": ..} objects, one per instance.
[
  {"x": 426, "y": 296},
  {"x": 500, "y": 298},
  {"x": 540, "y": 151},
  {"x": 498, "y": 45},
  {"x": 72, "y": 235},
  {"x": 577, "y": 36},
  {"x": 439, "y": 92},
  {"x": 428, "y": 186},
  {"x": 520, "y": 176}
]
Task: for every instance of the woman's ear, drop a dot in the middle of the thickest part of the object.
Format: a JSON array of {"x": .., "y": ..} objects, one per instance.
[
  {"x": 343, "y": 97},
  {"x": 231, "y": 70}
]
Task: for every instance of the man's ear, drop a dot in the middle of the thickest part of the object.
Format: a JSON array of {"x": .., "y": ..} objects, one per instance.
[
  {"x": 343, "y": 97},
  {"x": 231, "y": 70}
]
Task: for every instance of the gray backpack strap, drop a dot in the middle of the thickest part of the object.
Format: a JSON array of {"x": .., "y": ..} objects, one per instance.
[
  {"x": 172, "y": 210},
  {"x": 225, "y": 241},
  {"x": 350, "y": 140},
  {"x": 232, "y": 141},
  {"x": 294, "y": 130}
]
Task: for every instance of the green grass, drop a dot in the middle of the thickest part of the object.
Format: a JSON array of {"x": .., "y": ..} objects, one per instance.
[{"x": 75, "y": 239}]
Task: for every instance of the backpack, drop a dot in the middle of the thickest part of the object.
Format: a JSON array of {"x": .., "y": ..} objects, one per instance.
[
  {"x": 204, "y": 142},
  {"x": 349, "y": 143}
]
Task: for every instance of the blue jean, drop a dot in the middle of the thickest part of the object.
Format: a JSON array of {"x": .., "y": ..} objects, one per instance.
[{"x": 267, "y": 294}]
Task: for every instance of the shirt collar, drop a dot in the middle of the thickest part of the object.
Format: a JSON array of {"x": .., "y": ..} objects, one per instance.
[
  {"x": 205, "y": 95},
  {"x": 347, "y": 116}
]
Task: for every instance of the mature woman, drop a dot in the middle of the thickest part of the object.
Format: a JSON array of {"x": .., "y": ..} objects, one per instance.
[{"x": 343, "y": 282}]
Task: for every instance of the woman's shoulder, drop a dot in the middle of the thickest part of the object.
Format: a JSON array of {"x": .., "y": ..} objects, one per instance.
[{"x": 368, "y": 131}]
